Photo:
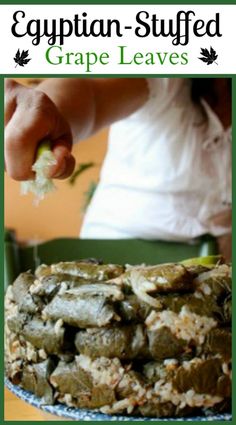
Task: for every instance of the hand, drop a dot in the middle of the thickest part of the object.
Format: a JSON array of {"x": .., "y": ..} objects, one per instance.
[{"x": 30, "y": 117}]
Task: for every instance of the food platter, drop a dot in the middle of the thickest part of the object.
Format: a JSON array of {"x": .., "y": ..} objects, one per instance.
[
  {"x": 90, "y": 415},
  {"x": 60, "y": 341}
]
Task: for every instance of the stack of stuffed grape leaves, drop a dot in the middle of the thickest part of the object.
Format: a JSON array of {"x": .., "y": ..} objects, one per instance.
[{"x": 142, "y": 340}]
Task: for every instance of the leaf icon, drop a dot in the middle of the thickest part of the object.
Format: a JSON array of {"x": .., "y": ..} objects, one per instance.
[
  {"x": 20, "y": 58},
  {"x": 208, "y": 57}
]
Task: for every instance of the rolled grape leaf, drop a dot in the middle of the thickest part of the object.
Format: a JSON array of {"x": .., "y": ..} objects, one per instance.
[
  {"x": 163, "y": 344},
  {"x": 203, "y": 376},
  {"x": 108, "y": 291},
  {"x": 163, "y": 278},
  {"x": 131, "y": 309},
  {"x": 81, "y": 312},
  {"x": 16, "y": 322},
  {"x": 21, "y": 293},
  {"x": 124, "y": 342},
  {"x": 35, "y": 380},
  {"x": 88, "y": 271},
  {"x": 44, "y": 335},
  {"x": 48, "y": 285},
  {"x": 219, "y": 341},
  {"x": 205, "y": 305},
  {"x": 85, "y": 382}
]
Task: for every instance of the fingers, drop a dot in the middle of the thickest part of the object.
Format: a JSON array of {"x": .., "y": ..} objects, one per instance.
[
  {"x": 65, "y": 161},
  {"x": 22, "y": 137},
  {"x": 32, "y": 117},
  {"x": 25, "y": 130}
]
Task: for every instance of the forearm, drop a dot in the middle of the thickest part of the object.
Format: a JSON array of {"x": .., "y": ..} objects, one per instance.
[
  {"x": 91, "y": 104},
  {"x": 58, "y": 108}
]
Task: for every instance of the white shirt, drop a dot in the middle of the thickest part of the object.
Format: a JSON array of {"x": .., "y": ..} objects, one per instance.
[{"x": 167, "y": 172}]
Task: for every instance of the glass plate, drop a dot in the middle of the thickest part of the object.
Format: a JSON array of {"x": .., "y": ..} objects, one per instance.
[{"x": 91, "y": 415}]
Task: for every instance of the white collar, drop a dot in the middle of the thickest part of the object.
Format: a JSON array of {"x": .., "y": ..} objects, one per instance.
[{"x": 215, "y": 130}]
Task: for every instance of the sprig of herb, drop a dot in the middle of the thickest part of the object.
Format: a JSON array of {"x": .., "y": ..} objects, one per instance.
[{"x": 80, "y": 169}]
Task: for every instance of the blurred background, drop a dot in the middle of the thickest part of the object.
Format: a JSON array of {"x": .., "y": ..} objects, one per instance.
[{"x": 61, "y": 212}]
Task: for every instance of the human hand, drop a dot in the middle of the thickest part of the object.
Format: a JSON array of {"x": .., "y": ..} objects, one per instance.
[{"x": 30, "y": 117}]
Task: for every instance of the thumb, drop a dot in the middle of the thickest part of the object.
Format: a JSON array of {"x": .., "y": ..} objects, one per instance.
[{"x": 65, "y": 161}]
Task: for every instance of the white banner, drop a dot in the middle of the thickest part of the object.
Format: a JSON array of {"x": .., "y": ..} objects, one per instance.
[{"x": 117, "y": 39}]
